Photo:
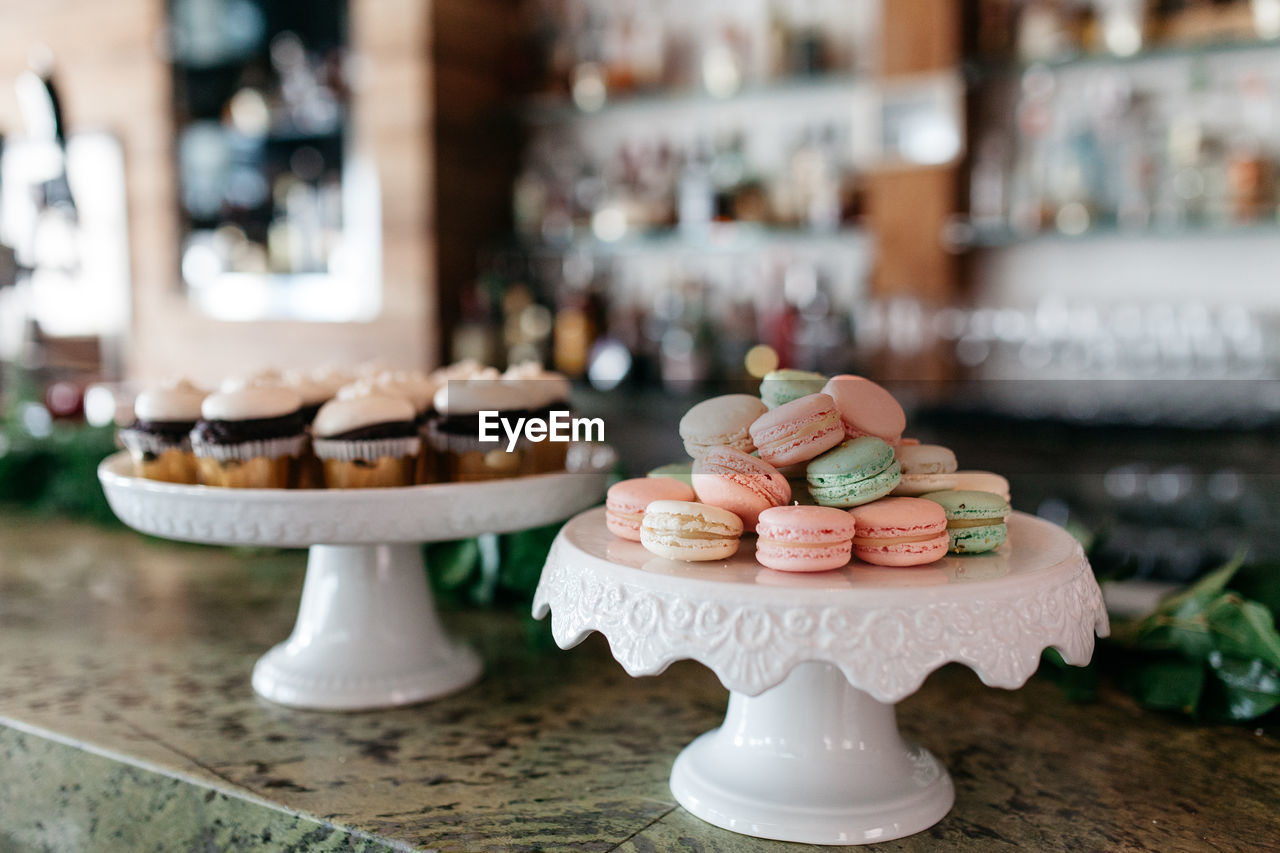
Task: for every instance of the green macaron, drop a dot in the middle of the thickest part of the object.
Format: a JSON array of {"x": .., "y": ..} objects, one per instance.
[
  {"x": 856, "y": 472},
  {"x": 975, "y": 520},
  {"x": 682, "y": 471},
  {"x": 783, "y": 386}
]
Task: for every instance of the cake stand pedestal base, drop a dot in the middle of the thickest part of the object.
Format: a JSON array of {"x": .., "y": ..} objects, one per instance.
[
  {"x": 812, "y": 760},
  {"x": 367, "y": 635}
]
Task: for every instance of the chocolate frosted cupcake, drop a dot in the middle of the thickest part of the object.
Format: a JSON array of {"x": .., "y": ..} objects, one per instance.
[
  {"x": 367, "y": 439},
  {"x": 249, "y": 437},
  {"x": 419, "y": 389},
  {"x": 315, "y": 387},
  {"x": 541, "y": 392},
  {"x": 454, "y": 434},
  {"x": 158, "y": 440}
]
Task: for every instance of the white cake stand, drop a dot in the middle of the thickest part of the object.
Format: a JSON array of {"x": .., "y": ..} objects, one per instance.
[
  {"x": 809, "y": 750},
  {"x": 367, "y": 634}
]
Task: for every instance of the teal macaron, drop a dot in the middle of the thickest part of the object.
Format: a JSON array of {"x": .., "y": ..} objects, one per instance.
[
  {"x": 856, "y": 472},
  {"x": 975, "y": 520},
  {"x": 682, "y": 471},
  {"x": 783, "y": 386}
]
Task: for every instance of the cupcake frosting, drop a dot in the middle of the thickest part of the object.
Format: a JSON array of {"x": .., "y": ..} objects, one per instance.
[
  {"x": 538, "y": 387},
  {"x": 252, "y": 402},
  {"x": 523, "y": 387},
  {"x": 464, "y": 369},
  {"x": 312, "y": 387},
  {"x": 357, "y": 411},
  {"x": 174, "y": 402},
  {"x": 268, "y": 377},
  {"x": 413, "y": 385},
  {"x": 483, "y": 392}
]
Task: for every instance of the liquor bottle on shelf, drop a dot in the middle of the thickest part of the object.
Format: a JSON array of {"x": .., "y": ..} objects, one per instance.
[{"x": 1131, "y": 147}]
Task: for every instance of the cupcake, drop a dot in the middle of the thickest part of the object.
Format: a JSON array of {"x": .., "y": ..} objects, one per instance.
[
  {"x": 541, "y": 392},
  {"x": 454, "y": 433},
  {"x": 158, "y": 440},
  {"x": 315, "y": 387},
  {"x": 366, "y": 439},
  {"x": 420, "y": 390},
  {"x": 249, "y": 436}
]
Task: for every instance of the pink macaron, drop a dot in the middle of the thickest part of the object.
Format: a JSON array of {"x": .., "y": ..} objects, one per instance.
[
  {"x": 798, "y": 431},
  {"x": 899, "y": 532},
  {"x": 866, "y": 408},
  {"x": 626, "y": 501},
  {"x": 804, "y": 538},
  {"x": 742, "y": 484}
]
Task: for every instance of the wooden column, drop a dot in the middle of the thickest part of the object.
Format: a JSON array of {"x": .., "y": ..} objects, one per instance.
[
  {"x": 909, "y": 206},
  {"x": 477, "y": 140}
]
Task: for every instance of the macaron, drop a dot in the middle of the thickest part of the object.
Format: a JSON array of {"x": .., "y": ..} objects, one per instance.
[
  {"x": 855, "y": 472},
  {"x": 686, "y": 530},
  {"x": 720, "y": 422},
  {"x": 804, "y": 538},
  {"x": 866, "y": 408},
  {"x": 900, "y": 532},
  {"x": 983, "y": 481},
  {"x": 625, "y": 502},
  {"x": 742, "y": 484},
  {"x": 780, "y": 387},
  {"x": 797, "y": 431},
  {"x": 681, "y": 471},
  {"x": 925, "y": 468},
  {"x": 975, "y": 520}
]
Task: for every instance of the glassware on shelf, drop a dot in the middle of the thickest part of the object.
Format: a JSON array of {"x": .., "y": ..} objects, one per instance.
[
  {"x": 598, "y": 51},
  {"x": 1188, "y": 144}
]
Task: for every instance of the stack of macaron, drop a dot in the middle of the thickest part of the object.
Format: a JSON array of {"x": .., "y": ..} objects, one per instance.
[
  {"x": 836, "y": 444},
  {"x": 371, "y": 426}
]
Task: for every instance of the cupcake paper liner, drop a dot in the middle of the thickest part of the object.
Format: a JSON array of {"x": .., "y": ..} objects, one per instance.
[
  {"x": 271, "y": 448},
  {"x": 138, "y": 441},
  {"x": 369, "y": 451}
]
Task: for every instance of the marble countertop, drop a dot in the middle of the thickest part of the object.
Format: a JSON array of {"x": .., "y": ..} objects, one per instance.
[{"x": 127, "y": 722}]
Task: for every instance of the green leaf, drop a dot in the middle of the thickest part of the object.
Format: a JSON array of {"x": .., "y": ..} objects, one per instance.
[
  {"x": 1196, "y": 597},
  {"x": 1241, "y": 689},
  {"x": 451, "y": 564},
  {"x": 1244, "y": 629},
  {"x": 1078, "y": 683},
  {"x": 1166, "y": 683},
  {"x": 1190, "y": 636},
  {"x": 1260, "y": 582},
  {"x": 523, "y": 556}
]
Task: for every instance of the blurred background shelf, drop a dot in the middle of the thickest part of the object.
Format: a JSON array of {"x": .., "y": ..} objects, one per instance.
[
  {"x": 552, "y": 109},
  {"x": 719, "y": 238},
  {"x": 994, "y": 69},
  {"x": 978, "y": 237}
]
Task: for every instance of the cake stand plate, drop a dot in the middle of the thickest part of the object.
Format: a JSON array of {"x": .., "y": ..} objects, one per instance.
[
  {"x": 809, "y": 750},
  {"x": 367, "y": 633}
]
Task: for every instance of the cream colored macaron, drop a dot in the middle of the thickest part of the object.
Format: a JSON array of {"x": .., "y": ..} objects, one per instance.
[
  {"x": 982, "y": 481},
  {"x": 690, "y": 531},
  {"x": 925, "y": 468}
]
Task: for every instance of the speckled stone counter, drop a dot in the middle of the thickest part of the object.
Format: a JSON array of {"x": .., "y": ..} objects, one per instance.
[{"x": 127, "y": 723}]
